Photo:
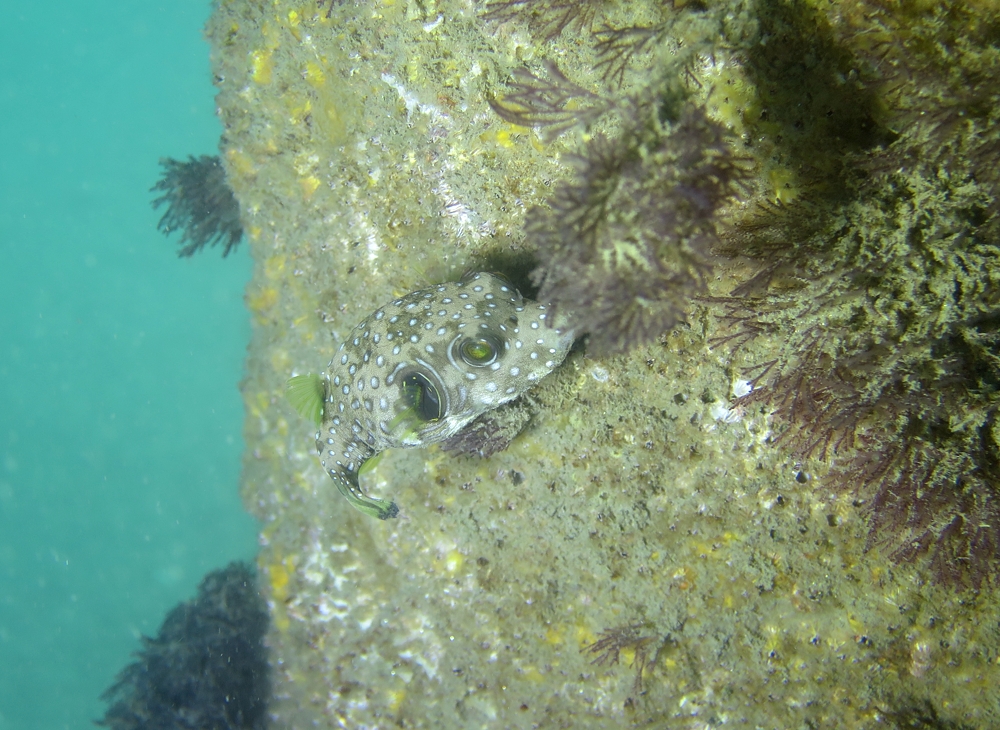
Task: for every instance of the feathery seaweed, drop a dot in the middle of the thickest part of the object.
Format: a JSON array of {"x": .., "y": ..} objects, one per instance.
[
  {"x": 616, "y": 48},
  {"x": 626, "y": 244},
  {"x": 199, "y": 203},
  {"x": 547, "y": 18},
  {"x": 554, "y": 103},
  {"x": 207, "y": 667}
]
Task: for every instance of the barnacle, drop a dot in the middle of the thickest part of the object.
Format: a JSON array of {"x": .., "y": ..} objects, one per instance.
[
  {"x": 206, "y": 668},
  {"x": 199, "y": 203}
]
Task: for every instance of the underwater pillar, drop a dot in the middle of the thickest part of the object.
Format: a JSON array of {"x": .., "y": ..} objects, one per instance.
[{"x": 638, "y": 555}]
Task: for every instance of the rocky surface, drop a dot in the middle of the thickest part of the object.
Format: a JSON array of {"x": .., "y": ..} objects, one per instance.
[{"x": 639, "y": 555}]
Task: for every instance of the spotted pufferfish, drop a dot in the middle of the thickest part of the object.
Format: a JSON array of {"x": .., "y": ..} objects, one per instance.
[{"x": 421, "y": 368}]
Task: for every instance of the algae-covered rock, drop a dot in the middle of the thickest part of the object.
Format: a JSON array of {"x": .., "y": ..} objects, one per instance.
[{"x": 641, "y": 554}]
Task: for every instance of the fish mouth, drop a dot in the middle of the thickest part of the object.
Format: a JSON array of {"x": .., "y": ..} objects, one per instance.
[{"x": 566, "y": 339}]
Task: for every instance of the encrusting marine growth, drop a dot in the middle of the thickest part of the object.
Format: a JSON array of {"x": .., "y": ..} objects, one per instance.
[
  {"x": 772, "y": 222},
  {"x": 420, "y": 369},
  {"x": 872, "y": 276},
  {"x": 881, "y": 288}
]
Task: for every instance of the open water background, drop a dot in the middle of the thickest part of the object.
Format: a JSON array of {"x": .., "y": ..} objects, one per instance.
[{"x": 120, "y": 417}]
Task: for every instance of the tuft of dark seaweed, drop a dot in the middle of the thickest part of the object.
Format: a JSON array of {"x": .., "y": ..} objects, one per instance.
[
  {"x": 551, "y": 102},
  {"x": 617, "y": 47},
  {"x": 206, "y": 668},
  {"x": 880, "y": 297},
  {"x": 608, "y": 648},
  {"x": 547, "y": 18},
  {"x": 199, "y": 203},
  {"x": 627, "y": 243},
  {"x": 329, "y": 5}
]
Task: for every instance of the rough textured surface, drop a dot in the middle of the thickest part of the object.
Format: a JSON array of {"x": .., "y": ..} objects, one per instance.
[{"x": 639, "y": 515}]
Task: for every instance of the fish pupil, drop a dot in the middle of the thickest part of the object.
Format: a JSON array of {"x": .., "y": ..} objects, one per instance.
[
  {"x": 422, "y": 397},
  {"x": 477, "y": 351},
  {"x": 480, "y": 351}
]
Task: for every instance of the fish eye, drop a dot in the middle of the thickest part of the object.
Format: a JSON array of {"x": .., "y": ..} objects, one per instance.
[
  {"x": 421, "y": 395},
  {"x": 479, "y": 351}
]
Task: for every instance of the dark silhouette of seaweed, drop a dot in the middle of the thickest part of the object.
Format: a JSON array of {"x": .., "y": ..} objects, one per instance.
[
  {"x": 206, "y": 668},
  {"x": 199, "y": 203}
]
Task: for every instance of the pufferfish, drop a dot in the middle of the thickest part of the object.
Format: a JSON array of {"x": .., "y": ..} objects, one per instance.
[{"x": 421, "y": 368}]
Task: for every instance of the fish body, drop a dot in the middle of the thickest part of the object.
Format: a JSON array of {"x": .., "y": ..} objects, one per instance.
[{"x": 421, "y": 368}]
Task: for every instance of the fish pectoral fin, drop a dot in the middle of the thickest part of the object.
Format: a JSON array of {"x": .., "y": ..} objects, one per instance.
[
  {"x": 306, "y": 393},
  {"x": 371, "y": 506},
  {"x": 370, "y": 463}
]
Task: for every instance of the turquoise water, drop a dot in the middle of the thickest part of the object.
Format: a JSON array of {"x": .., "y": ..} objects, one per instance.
[{"x": 119, "y": 412}]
